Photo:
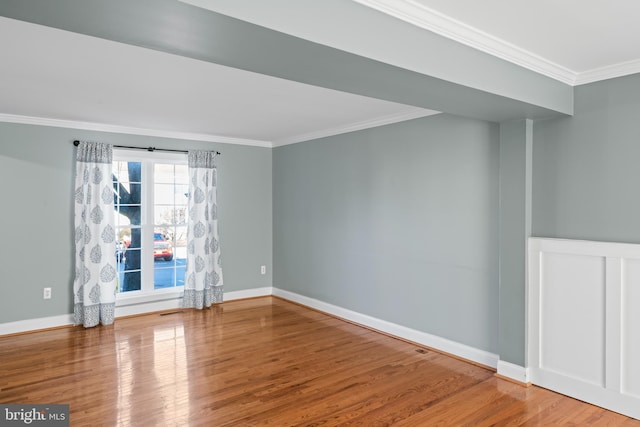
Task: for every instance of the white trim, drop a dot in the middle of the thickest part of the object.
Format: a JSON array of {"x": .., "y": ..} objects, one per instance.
[
  {"x": 594, "y": 365},
  {"x": 422, "y": 16},
  {"x": 460, "y": 350},
  {"x": 248, "y": 293},
  {"x": 20, "y": 326},
  {"x": 125, "y": 299},
  {"x": 100, "y": 127},
  {"x": 125, "y": 307},
  {"x": 515, "y": 372},
  {"x": 173, "y": 300},
  {"x": 365, "y": 124},
  {"x": 133, "y": 308},
  {"x": 608, "y": 72},
  {"x": 148, "y": 307},
  {"x": 418, "y": 14}
]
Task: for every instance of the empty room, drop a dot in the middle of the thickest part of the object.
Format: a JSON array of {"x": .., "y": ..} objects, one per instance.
[{"x": 339, "y": 212}]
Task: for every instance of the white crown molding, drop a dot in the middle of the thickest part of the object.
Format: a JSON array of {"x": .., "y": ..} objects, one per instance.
[
  {"x": 71, "y": 124},
  {"x": 380, "y": 121},
  {"x": 421, "y": 16},
  {"x": 608, "y": 72},
  {"x": 352, "y": 127}
]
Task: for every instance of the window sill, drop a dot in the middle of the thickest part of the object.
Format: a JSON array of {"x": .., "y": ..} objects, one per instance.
[{"x": 142, "y": 297}]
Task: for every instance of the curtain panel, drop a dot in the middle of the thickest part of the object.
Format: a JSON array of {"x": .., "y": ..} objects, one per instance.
[
  {"x": 94, "y": 286},
  {"x": 203, "y": 278}
]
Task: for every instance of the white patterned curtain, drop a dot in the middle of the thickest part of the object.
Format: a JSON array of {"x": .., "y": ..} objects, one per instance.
[
  {"x": 94, "y": 286},
  {"x": 203, "y": 284}
]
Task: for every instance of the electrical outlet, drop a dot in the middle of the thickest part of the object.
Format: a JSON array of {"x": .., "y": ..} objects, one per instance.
[
  {"x": 263, "y": 269},
  {"x": 47, "y": 293}
]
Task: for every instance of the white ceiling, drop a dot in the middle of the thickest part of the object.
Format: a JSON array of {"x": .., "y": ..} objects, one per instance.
[
  {"x": 575, "y": 41},
  {"x": 50, "y": 76},
  {"x": 576, "y": 34},
  {"x": 54, "y": 77}
]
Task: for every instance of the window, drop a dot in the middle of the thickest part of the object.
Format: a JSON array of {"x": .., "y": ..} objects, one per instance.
[{"x": 151, "y": 207}]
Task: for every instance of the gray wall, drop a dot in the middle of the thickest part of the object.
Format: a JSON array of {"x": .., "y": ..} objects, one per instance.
[
  {"x": 398, "y": 222},
  {"x": 515, "y": 228},
  {"x": 36, "y": 249},
  {"x": 452, "y": 78},
  {"x": 586, "y": 178}
]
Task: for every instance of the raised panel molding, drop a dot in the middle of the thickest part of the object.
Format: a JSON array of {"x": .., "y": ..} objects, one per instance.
[{"x": 582, "y": 323}]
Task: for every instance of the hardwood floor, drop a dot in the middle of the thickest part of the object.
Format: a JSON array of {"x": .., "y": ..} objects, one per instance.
[{"x": 266, "y": 361}]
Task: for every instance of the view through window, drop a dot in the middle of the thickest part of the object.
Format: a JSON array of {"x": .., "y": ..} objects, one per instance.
[{"x": 151, "y": 220}]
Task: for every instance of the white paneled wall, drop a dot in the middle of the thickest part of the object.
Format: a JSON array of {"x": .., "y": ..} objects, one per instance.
[
  {"x": 630, "y": 317},
  {"x": 584, "y": 321}
]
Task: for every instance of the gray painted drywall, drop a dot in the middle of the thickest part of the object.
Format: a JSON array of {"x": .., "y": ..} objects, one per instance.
[
  {"x": 364, "y": 31},
  {"x": 397, "y": 222},
  {"x": 586, "y": 176},
  {"x": 463, "y": 81},
  {"x": 515, "y": 228},
  {"x": 37, "y": 172}
]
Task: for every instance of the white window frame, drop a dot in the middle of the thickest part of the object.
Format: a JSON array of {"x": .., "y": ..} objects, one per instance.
[{"x": 147, "y": 293}]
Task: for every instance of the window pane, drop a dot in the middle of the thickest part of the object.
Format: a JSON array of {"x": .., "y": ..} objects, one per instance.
[
  {"x": 170, "y": 250},
  {"x": 182, "y": 194},
  {"x": 170, "y": 209},
  {"x": 129, "y": 280},
  {"x": 130, "y": 237},
  {"x": 163, "y": 173},
  {"x": 128, "y": 215},
  {"x": 128, "y": 208},
  {"x": 121, "y": 220},
  {"x": 125, "y": 172},
  {"x": 180, "y": 215},
  {"x": 182, "y": 174},
  {"x": 167, "y": 216},
  {"x": 164, "y": 273},
  {"x": 180, "y": 244},
  {"x": 164, "y": 215},
  {"x": 164, "y": 194},
  {"x": 180, "y": 269}
]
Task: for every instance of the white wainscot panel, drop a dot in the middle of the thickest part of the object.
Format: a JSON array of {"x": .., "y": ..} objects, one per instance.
[
  {"x": 572, "y": 316},
  {"x": 631, "y": 328},
  {"x": 583, "y": 311}
]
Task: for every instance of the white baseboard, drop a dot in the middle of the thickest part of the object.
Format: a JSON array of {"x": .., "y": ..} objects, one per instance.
[
  {"x": 442, "y": 344},
  {"x": 248, "y": 293},
  {"x": 460, "y": 350},
  {"x": 20, "y": 326},
  {"x": 514, "y": 372},
  {"x": 125, "y": 307}
]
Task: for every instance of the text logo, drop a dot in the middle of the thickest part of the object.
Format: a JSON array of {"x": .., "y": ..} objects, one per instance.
[{"x": 34, "y": 415}]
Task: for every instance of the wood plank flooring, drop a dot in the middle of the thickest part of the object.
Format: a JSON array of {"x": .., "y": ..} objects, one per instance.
[{"x": 266, "y": 361}]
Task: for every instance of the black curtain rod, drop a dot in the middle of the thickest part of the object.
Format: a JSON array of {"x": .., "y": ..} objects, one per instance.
[{"x": 76, "y": 143}]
